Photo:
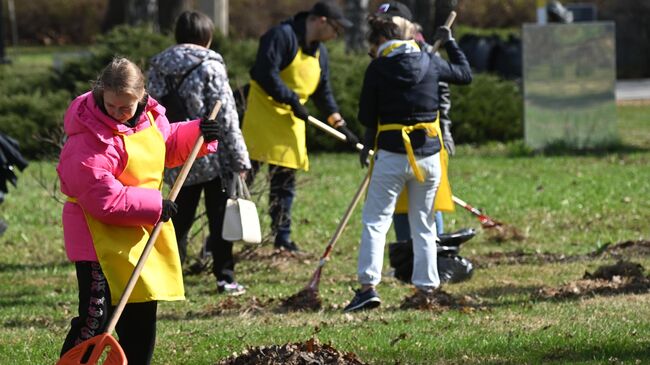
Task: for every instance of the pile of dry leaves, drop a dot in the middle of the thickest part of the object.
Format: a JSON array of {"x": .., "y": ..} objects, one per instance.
[
  {"x": 620, "y": 278},
  {"x": 438, "y": 301},
  {"x": 299, "y": 353}
]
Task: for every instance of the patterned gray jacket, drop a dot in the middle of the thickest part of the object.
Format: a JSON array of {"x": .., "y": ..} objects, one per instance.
[{"x": 200, "y": 91}]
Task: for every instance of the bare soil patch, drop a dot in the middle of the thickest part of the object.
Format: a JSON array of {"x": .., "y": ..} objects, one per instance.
[{"x": 622, "y": 250}]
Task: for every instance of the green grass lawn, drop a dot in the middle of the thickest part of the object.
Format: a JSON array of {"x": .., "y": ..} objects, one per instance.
[{"x": 565, "y": 204}]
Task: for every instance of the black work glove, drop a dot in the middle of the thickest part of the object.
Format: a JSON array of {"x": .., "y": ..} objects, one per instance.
[
  {"x": 350, "y": 137},
  {"x": 364, "y": 155},
  {"x": 300, "y": 111},
  {"x": 169, "y": 209},
  {"x": 443, "y": 34},
  {"x": 447, "y": 139},
  {"x": 210, "y": 127}
]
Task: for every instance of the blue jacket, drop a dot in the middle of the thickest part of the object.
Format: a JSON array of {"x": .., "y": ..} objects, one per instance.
[
  {"x": 277, "y": 49},
  {"x": 403, "y": 88}
]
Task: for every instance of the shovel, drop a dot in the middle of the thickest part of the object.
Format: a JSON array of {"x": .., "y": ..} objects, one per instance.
[{"x": 93, "y": 348}]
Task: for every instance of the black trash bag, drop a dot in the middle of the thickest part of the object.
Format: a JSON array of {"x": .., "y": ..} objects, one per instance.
[
  {"x": 479, "y": 51},
  {"x": 507, "y": 58},
  {"x": 452, "y": 268}
]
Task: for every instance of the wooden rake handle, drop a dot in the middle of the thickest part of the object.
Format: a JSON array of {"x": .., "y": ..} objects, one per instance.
[
  {"x": 448, "y": 23},
  {"x": 173, "y": 193}
]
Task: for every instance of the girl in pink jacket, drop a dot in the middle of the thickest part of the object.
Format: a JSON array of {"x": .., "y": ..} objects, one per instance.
[{"x": 111, "y": 166}]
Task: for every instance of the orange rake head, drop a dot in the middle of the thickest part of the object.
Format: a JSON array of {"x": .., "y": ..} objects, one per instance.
[{"x": 90, "y": 351}]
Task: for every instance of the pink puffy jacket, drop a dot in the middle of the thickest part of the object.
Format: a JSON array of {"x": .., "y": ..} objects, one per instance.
[{"x": 94, "y": 156}]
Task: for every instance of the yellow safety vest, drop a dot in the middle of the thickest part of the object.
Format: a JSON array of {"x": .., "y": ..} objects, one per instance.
[
  {"x": 271, "y": 131},
  {"x": 443, "y": 200},
  {"x": 119, "y": 247}
]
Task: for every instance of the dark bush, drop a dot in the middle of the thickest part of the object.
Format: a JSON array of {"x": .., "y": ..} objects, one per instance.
[
  {"x": 58, "y": 21},
  {"x": 489, "y": 109},
  {"x": 32, "y": 106},
  {"x": 138, "y": 44},
  {"x": 34, "y": 119}
]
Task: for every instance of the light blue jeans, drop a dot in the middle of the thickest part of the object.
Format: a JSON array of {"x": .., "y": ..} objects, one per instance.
[
  {"x": 401, "y": 225},
  {"x": 391, "y": 173}
]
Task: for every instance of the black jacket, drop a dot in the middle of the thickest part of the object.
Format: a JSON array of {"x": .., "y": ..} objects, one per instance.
[
  {"x": 404, "y": 89},
  {"x": 277, "y": 49}
]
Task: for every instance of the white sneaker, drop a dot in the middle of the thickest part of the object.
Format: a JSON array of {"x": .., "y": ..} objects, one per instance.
[{"x": 233, "y": 288}]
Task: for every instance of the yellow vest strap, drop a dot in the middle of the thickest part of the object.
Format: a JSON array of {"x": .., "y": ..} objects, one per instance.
[{"x": 406, "y": 129}]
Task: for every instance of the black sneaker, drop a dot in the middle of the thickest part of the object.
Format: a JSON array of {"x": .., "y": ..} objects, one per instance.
[
  {"x": 368, "y": 299},
  {"x": 289, "y": 246}
]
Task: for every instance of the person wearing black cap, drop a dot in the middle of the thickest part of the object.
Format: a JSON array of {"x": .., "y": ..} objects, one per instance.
[{"x": 291, "y": 65}]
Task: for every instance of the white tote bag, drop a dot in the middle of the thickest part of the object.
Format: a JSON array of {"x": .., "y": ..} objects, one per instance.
[{"x": 240, "y": 221}]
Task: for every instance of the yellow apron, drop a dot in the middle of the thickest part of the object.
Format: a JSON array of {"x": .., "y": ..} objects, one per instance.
[
  {"x": 443, "y": 201},
  {"x": 119, "y": 247},
  {"x": 271, "y": 131}
]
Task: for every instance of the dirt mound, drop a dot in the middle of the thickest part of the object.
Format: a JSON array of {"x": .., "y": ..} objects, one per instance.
[
  {"x": 306, "y": 299},
  {"x": 438, "y": 301},
  {"x": 622, "y": 278},
  {"x": 308, "y": 353},
  {"x": 621, "y": 269}
]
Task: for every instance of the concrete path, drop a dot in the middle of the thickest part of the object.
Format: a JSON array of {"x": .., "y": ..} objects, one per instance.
[{"x": 631, "y": 90}]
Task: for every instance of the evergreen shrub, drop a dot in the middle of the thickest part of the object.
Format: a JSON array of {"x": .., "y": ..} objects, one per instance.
[{"x": 489, "y": 109}]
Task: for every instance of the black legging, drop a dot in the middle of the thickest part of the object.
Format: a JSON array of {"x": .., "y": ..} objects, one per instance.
[
  {"x": 281, "y": 196},
  {"x": 136, "y": 328},
  {"x": 215, "y": 202}
]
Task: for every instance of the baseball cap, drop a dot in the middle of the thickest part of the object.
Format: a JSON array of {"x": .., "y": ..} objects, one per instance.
[
  {"x": 330, "y": 10},
  {"x": 395, "y": 8}
]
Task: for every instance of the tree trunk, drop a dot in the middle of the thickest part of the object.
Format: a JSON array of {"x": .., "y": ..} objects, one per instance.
[
  {"x": 357, "y": 12},
  {"x": 132, "y": 12},
  {"x": 2, "y": 37},
  {"x": 443, "y": 8},
  {"x": 140, "y": 12},
  {"x": 168, "y": 11},
  {"x": 115, "y": 14}
]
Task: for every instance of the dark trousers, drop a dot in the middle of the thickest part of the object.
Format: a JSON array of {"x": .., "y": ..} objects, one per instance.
[
  {"x": 136, "y": 328},
  {"x": 188, "y": 198},
  {"x": 283, "y": 191}
]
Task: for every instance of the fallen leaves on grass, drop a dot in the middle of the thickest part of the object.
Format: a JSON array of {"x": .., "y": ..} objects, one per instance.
[
  {"x": 503, "y": 232},
  {"x": 252, "y": 305},
  {"x": 299, "y": 353}
]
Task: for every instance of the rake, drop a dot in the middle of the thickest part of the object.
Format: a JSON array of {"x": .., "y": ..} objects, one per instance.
[{"x": 93, "y": 348}]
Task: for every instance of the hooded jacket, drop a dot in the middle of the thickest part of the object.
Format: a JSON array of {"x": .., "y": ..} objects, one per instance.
[
  {"x": 200, "y": 91},
  {"x": 402, "y": 87},
  {"x": 277, "y": 49},
  {"x": 92, "y": 159}
]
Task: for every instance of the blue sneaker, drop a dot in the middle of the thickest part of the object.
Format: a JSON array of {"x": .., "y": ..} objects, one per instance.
[{"x": 368, "y": 299}]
